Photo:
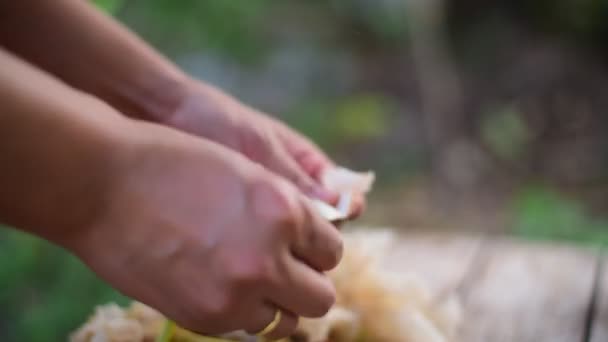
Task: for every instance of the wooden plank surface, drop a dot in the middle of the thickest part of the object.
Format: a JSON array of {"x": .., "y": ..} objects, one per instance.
[
  {"x": 599, "y": 329},
  {"x": 529, "y": 293},
  {"x": 441, "y": 260}
]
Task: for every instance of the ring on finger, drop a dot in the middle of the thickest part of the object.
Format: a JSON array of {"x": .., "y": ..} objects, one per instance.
[{"x": 272, "y": 325}]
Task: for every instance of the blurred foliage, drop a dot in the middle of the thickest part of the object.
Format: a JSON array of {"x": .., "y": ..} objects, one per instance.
[
  {"x": 540, "y": 212},
  {"x": 45, "y": 293},
  {"x": 362, "y": 117},
  {"x": 235, "y": 29},
  {"x": 580, "y": 18},
  {"x": 385, "y": 20},
  {"x": 109, "y": 6},
  {"x": 505, "y": 132},
  {"x": 344, "y": 121}
]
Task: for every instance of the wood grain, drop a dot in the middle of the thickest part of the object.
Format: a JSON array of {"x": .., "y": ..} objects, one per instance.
[
  {"x": 599, "y": 328},
  {"x": 529, "y": 293},
  {"x": 441, "y": 260}
]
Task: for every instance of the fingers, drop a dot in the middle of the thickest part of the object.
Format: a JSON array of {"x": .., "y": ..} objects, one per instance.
[
  {"x": 307, "y": 154},
  {"x": 304, "y": 171},
  {"x": 281, "y": 326},
  {"x": 300, "y": 243},
  {"x": 352, "y": 204},
  {"x": 357, "y": 206},
  {"x": 285, "y": 165},
  {"x": 317, "y": 243},
  {"x": 312, "y": 161},
  {"x": 302, "y": 289}
]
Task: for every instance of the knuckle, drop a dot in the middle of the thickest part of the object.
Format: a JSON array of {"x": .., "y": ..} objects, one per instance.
[
  {"x": 256, "y": 145},
  {"x": 275, "y": 203},
  {"x": 214, "y": 308},
  {"x": 303, "y": 182},
  {"x": 250, "y": 271}
]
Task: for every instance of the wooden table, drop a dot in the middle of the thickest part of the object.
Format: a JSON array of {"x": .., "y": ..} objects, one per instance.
[{"x": 514, "y": 290}]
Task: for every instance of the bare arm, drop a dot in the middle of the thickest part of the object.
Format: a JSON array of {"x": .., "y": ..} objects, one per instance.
[
  {"x": 189, "y": 223},
  {"x": 92, "y": 52},
  {"x": 56, "y": 157},
  {"x": 95, "y": 53}
]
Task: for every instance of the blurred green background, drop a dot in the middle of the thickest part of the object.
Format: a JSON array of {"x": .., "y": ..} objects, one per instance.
[{"x": 477, "y": 115}]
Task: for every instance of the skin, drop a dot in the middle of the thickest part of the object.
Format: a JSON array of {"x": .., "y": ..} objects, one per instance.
[
  {"x": 202, "y": 203},
  {"x": 192, "y": 228},
  {"x": 93, "y": 52}
]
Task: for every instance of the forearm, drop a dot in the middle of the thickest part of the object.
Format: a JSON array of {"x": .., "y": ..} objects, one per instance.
[
  {"x": 58, "y": 152},
  {"x": 93, "y": 52}
]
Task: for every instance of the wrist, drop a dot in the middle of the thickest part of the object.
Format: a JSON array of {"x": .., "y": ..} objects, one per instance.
[
  {"x": 206, "y": 111},
  {"x": 92, "y": 180}
]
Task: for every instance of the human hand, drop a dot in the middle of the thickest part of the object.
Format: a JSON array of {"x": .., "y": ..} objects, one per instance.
[
  {"x": 210, "y": 113},
  {"x": 210, "y": 239}
]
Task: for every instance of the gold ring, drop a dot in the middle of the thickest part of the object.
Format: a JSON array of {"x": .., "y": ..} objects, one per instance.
[{"x": 272, "y": 325}]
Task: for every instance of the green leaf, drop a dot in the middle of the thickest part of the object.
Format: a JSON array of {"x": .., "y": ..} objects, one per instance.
[
  {"x": 505, "y": 132},
  {"x": 108, "y": 6},
  {"x": 46, "y": 292},
  {"x": 540, "y": 213},
  {"x": 362, "y": 117},
  {"x": 233, "y": 29},
  {"x": 167, "y": 332}
]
